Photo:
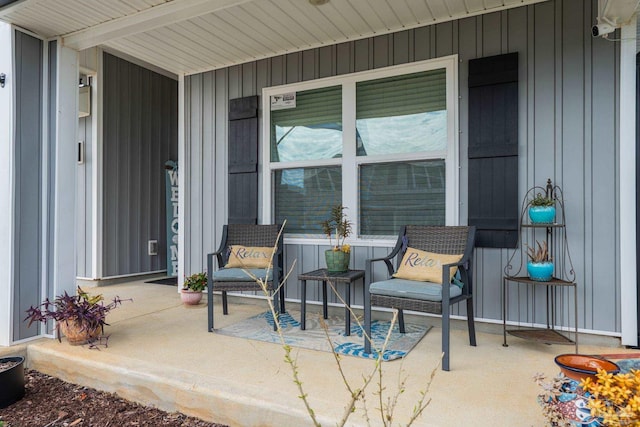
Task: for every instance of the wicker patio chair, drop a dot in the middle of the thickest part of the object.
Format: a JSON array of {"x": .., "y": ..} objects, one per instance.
[
  {"x": 403, "y": 294},
  {"x": 236, "y": 279}
]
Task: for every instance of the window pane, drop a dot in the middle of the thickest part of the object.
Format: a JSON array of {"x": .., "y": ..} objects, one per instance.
[
  {"x": 396, "y": 194},
  {"x": 402, "y": 114},
  {"x": 304, "y": 197},
  {"x": 312, "y": 130}
]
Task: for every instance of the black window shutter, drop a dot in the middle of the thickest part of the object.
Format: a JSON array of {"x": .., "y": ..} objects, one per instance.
[
  {"x": 243, "y": 160},
  {"x": 493, "y": 150}
]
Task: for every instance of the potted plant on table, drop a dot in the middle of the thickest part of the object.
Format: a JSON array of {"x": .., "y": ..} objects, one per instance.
[
  {"x": 81, "y": 318},
  {"x": 542, "y": 210},
  {"x": 337, "y": 224},
  {"x": 192, "y": 288},
  {"x": 540, "y": 266}
]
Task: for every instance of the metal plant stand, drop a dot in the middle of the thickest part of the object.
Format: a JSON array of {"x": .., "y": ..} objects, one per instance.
[{"x": 558, "y": 308}]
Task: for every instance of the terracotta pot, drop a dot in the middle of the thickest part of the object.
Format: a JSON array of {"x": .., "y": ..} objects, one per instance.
[
  {"x": 11, "y": 381},
  {"x": 190, "y": 297},
  {"x": 76, "y": 334}
]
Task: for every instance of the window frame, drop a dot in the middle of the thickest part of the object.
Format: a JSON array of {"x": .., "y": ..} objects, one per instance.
[{"x": 350, "y": 162}]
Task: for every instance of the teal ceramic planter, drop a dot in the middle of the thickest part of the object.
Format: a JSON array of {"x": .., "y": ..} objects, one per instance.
[
  {"x": 540, "y": 271},
  {"x": 542, "y": 214},
  {"x": 337, "y": 261}
]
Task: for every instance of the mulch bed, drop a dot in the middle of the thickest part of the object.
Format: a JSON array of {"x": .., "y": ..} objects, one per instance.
[{"x": 50, "y": 402}]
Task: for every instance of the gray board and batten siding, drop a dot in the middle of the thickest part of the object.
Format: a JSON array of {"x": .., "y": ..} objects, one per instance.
[
  {"x": 140, "y": 122},
  {"x": 28, "y": 205},
  {"x": 567, "y": 108}
]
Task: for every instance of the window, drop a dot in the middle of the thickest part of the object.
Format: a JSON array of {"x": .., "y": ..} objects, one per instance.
[{"x": 382, "y": 143}]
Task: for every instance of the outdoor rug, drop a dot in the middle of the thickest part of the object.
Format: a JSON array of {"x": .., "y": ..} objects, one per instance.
[
  {"x": 260, "y": 328},
  {"x": 165, "y": 281}
]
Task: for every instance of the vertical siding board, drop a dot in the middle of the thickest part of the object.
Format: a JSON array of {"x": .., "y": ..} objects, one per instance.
[
  {"x": 573, "y": 136},
  {"x": 444, "y": 39},
  {"x": 248, "y": 79},
  {"x": 361, "y": 55},
  {"x": 309, "y": 64},
  {"x": 466, "y": 50},
  {"x": 518, "y": 38},
  {"x": 402, "y": 47},
  {"x": 604, "y": 173},
  {"x": 421, "y": 43},
  {"x": 293, "y": 67},
  {"x": 327, "y": 61},
  {"x": 381, "y": 50},
  {"x": 81, "y": 206},
  {"x": 28, "y": 239},
  {"x": 194, "y": 174},
  {"x": 208, "y": 166},
  {"x": 221, "y": 179},
  {"x": 345, "y": 58},
  {"x": 491, "y": 34},
  {"x": 277, "y": 71}
]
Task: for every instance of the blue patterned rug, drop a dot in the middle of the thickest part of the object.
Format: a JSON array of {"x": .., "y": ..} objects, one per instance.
[{"x": 260, "y": 328}]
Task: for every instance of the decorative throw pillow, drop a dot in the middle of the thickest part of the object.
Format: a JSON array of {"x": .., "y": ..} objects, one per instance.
[
  {"x": 249, "y": 257},
  {"x": 425, "y": 266}
]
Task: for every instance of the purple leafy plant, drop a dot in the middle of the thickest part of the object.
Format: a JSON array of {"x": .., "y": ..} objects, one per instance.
[{"x": 88, "y": 312}]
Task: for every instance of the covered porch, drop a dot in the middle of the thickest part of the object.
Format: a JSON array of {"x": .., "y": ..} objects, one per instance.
[{"x": 160, "y": 353}]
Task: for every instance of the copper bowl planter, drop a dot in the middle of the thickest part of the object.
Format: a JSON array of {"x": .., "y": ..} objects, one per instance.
[{"x": 578, "y": 366}]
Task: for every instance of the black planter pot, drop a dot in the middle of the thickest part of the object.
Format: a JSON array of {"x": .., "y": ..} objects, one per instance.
[{"x": 11, "y": 381}]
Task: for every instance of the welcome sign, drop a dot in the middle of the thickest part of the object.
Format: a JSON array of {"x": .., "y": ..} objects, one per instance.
[{"x": 171, "y": 181}]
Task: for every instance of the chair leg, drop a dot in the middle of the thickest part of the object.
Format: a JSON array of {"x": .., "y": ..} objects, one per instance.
[
  {"x": 471, "y": 323},
  {"x": 282, "y": 294},
  {"x": 367, "y": 321},
  {"x": 276, "y": 305},
  {"x": 210, "y": 292},
  {"x": 401, "y": 321},
  {"x": 445, "y": 337},
  {"x": 225, "y": 307}
]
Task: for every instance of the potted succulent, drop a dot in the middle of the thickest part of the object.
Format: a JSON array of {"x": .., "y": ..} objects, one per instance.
[
  {"x": 192, "y": 288},
  {"x": 542, "y": 210},
  {"x": 539, "y": 267},
  {"x": 11, "y": 380},
  {"x": 339, "y": 226},
  {"x": 81, "y": 318}
]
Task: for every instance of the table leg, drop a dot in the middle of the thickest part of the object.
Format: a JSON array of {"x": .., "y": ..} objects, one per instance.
[
  {"x": 303, "y": 306},
  {"x": 347, "y": 312},
  {"x": 325, "y": 311}
]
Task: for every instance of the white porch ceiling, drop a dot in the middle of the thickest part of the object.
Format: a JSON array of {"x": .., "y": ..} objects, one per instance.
[{"x": 191, "y": 36}]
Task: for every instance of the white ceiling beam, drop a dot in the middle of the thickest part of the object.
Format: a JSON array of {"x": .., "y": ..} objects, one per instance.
[{"x": 148, "y": 19}]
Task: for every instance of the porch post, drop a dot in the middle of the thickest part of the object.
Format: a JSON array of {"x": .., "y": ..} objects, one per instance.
[
  {"x": 62, "y": 220},
  {"x": 6, "y": 183},
  {"x": 627, "y": 157},
  {"x": 182, "y": 193}
]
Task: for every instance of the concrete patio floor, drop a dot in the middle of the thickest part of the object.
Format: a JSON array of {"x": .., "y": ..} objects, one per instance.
[{"x": 160, "y": 353}]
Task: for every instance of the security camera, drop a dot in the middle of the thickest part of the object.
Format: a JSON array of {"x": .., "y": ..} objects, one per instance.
[{"x": 602, "y": 29}]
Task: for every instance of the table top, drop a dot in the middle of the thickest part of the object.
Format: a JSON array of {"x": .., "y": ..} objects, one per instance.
[{"x": 323, "y": 274}]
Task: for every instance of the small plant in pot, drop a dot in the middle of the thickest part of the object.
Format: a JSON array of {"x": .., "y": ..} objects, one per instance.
[
  {"x": 542, "y": 210},
  {"x": 540, "y": 266},
  {"x": 81, "y": 318},
  {"x": 337, "y": 227},
  {"x": 192, "y": 288}
]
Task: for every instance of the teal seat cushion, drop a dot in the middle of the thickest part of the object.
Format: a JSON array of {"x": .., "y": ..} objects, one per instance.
[
  {"x": 239, "y": 275},
  {"x": 402, "y": 288}
]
